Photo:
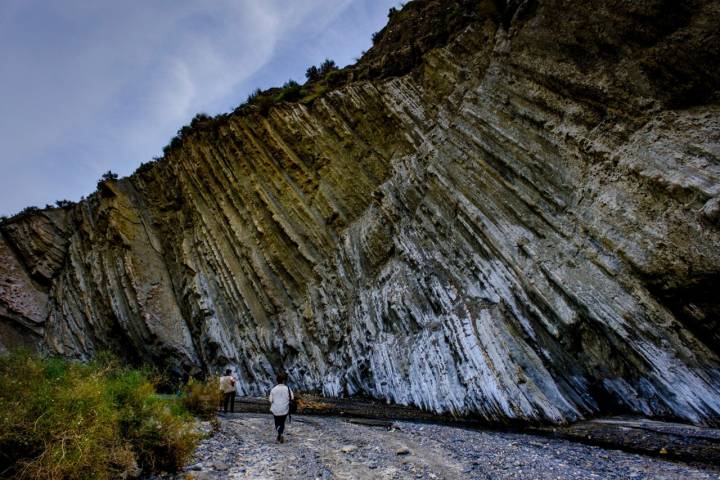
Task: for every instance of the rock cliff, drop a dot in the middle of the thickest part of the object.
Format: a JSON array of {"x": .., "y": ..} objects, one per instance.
[{"x": 506, "y": 210}]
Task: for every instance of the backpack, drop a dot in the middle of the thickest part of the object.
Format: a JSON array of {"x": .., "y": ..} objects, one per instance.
[{"x": 292, "y": 401}]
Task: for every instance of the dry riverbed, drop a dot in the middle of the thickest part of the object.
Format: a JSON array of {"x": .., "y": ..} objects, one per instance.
[{"x": 332, "y": 448}]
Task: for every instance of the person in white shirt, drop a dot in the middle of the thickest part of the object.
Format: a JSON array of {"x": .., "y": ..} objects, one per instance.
[
  {"x": 227, "y": 387},
  {"x": 279, "y": 398}
]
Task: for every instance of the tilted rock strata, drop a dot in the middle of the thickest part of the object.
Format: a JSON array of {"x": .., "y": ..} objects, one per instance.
[{"x": 524, "y": 227}]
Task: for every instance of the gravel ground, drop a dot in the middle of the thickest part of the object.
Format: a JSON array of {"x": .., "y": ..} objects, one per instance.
[{"x": 331, "y": 448}]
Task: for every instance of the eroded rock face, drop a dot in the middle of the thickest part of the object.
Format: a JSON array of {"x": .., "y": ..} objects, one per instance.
[{"x": 522, "y": 226}]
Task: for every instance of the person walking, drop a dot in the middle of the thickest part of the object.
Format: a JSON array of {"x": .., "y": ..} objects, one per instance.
[
  {"x": 227, "y": 387},
  {"x": 280, "y": 397}
]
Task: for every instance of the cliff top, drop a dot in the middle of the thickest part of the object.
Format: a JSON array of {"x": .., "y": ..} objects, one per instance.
[{"x": 412, "y": 31}]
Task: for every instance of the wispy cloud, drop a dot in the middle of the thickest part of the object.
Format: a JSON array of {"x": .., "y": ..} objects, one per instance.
[{"x": 92, "y": 86}]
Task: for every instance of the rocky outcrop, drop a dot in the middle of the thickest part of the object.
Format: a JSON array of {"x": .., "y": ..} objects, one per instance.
[{"x": 519, "y": 223}]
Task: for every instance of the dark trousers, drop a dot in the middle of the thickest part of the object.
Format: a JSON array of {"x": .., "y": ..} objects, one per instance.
[
  {"x": 229, "y": 400},
  {"x": 280, "y": 423}
]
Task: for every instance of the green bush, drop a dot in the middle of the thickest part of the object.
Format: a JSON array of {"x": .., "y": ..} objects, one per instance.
[
  {"x": 106, "y": 177},
  {"x": 202, "y": 398},
  {"x": 201, "y": 120},
  {"x": 313, "y": 92},
  {"x": 290, "y": 92},
  {"x": 67, "y": 420},
  {"x": 175, "y": 143},
  {"x": 253, "y": 96},
  {"x": 264, "y": 104},
  {"x": 28, "y": 211},
  {"x": 262, "y": 100},
  {"x": 147, "y": 166},
  {"x": 312, "y": 74},
  {"x": 109, "y": 175},
  {"x": 326, "y": 67},
  {"x": 336, "y": 78}
]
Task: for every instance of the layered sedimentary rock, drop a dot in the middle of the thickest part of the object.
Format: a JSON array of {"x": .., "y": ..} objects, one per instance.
[{"x": 517, "y": 219}]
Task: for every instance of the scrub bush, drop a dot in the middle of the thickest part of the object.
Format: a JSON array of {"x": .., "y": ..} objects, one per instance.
[
  {"x": 291, "y": 92},
  {"x": 67, "y": 420},
  {"x": 312, "y": 74},
  {"x": 326, "y": 67},
  {"x": 202, "y": 398}
]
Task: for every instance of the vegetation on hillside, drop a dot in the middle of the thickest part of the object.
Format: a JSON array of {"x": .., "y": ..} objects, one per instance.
[
  {"x": 25, "y": 212},
  {"x": 65, "y": 420},
  {"x": 64, "y": 203},
  {"x": 202, "y": 398},
  {"x": 396, "y": 50}
]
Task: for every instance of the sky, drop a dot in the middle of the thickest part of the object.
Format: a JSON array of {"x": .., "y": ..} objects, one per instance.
[{"x": 91, "y": 86}]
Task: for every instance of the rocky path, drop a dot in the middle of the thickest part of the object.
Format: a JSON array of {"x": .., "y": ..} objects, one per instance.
[{"x": 332, "y": 448}]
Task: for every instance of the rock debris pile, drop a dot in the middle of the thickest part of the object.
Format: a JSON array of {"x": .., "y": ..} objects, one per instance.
[{"x": 328, "y": 447}]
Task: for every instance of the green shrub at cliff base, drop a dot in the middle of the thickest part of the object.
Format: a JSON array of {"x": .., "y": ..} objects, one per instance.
[
  {"x": 67, "y": 420},
  {"x": 202, "y": 398}
]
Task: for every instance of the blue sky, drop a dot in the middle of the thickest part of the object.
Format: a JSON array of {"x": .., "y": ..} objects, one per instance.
[{"x": 94, "y": 85}]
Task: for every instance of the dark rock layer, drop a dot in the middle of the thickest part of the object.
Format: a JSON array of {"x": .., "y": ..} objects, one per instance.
[{"x": 522, "y": 222}]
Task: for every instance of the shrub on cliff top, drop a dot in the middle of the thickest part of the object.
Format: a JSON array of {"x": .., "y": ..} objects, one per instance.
[
  {"x": 262, "y": 100},
  {"x": 312, "y": 74},
  {"x": 291, "y": 92},
  {"x": 66, "y": 420},
  {"x": 327, "y": 66},
  {"x": 175, "y": 143},
  {"x": 336, "y": 78},
  {"x": 29, "y": 210},
  {"x": 109, "y": 175},
  {"x": 253, "y": 96}
]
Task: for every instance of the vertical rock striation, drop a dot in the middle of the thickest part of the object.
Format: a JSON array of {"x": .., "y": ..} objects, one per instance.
[{"x": 510, "y": 211}]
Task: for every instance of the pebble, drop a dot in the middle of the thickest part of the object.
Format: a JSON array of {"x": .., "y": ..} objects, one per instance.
[{"x": 317, "y": 448}]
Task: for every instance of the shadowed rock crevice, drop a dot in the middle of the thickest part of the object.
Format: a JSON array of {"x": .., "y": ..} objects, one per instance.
[{"x": 695, "y": 304}]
